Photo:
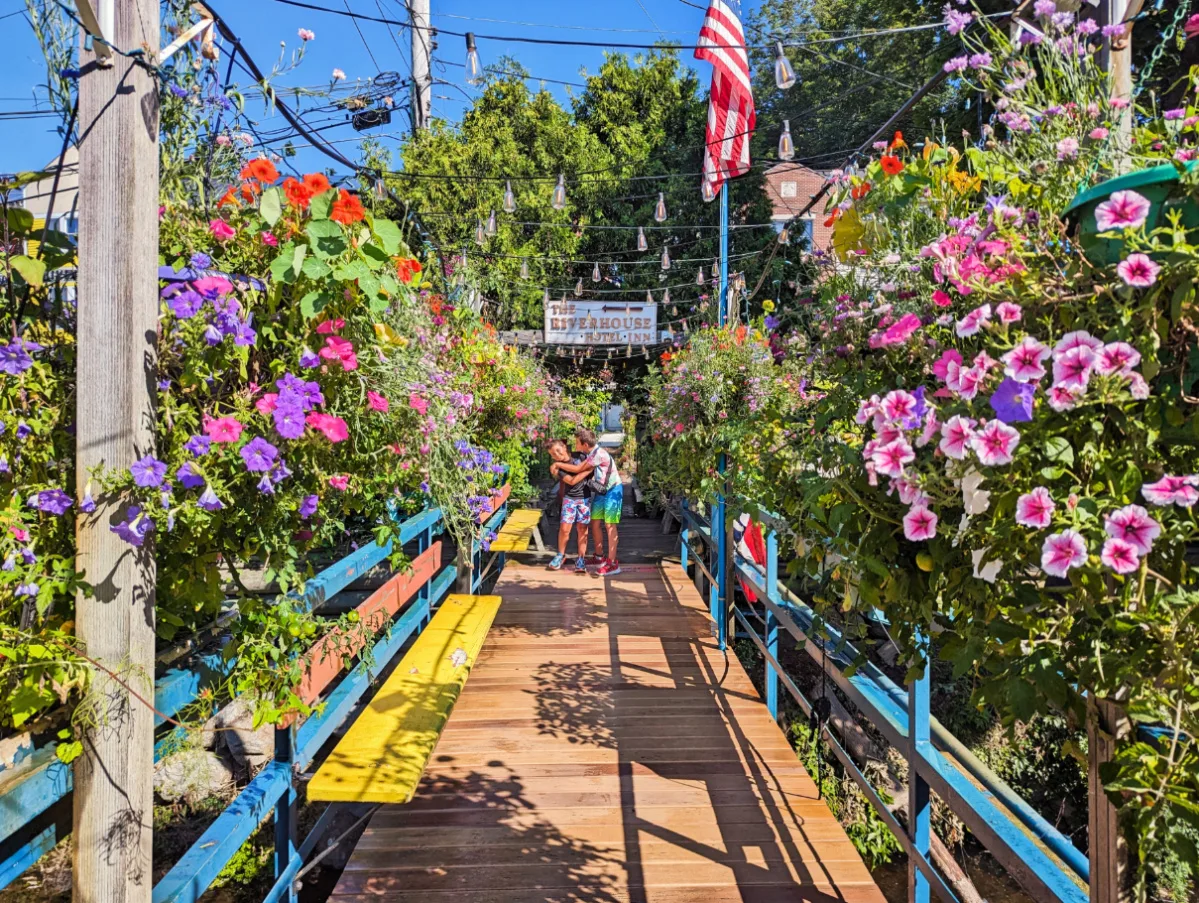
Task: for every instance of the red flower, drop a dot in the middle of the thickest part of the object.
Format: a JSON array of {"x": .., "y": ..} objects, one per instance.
[
  {"x": 860, "y": 191},
  {"x": 832, "y": 219},
  {"x": 316, "y": 183},
  {"x": 898, "y": 141},
  {"x": 248, "y": 191},
  {"x": 891, "y": 164},
  {"x": 298, "y": 194},
  {"x": 406, "y": 268},
  {"x": 347, "y": 209},
  {"x": 260, "y": 170},
  {"x": 229, "y": 199}
]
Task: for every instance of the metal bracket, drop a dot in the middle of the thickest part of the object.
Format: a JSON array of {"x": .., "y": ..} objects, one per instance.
[
  {"x": 99, "y": 21},
  {"x": 203, "y": 29}
]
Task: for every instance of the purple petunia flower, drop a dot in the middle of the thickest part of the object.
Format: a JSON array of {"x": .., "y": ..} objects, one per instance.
[
  {"x": 10, "y": 563},
  {"x": 208, "y": 500},
  {"x": 88, "y": 505},
  {"x": 186, "y": 304},
  {"x": 259, "y": 455},
  {"x": 1012, "y": 401},
  {"x": 309, "y": 359},
  {"x": 198, "y": 445},
  {"x": 188, "y": 477},
  {"x": 148, "y": 472},
  {"x": 771, "y": 322},
  {"x": 28, "y": 556},
  {"x": 14, "y": 358},
  {"x": 243, "y": 333},
  {"x": 200, "y": 260},
  {"x": 135, "y": 528},
  {"x": 311, "y": 393},
  {"x": 289, "y": 421},
  {"x": 51, "y": 501},
  {"x": 3, "y": 464},
  {"x": 265, "y": 486},
  {"x": 23, "y": 430},
  {"x": 27, "y": 589},
  {"x": 309, "y": 505},
  {"x": 424, "y": 486},
  {"x": 212, "y": 335}
]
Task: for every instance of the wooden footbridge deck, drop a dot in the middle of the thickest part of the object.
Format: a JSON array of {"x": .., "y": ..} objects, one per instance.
[{"x": 605, "y": 750}]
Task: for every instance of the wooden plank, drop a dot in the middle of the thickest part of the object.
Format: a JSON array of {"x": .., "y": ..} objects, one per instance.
[
  {"x": 608, "y": 750},
  {"x": 383, "y": 755},
  {"x": 517, "y": 531}
]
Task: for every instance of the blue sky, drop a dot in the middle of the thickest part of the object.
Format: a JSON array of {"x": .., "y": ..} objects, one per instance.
[{"x": 262, "y": 24}]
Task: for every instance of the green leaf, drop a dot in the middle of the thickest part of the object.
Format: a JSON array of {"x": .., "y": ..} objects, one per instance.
[
  {"x": 314, "y": 302},
  {"x": 322, "y": 204},
  {"x": 271, "y": 205},
  {"x": 389, "y": 235},
  {"x": 375, "y": 256},
  {"x": 1060, "y": 451},
  {"x": 32, "y": 271},
  {"x": 327, "y": 238},
  {"x": 281, "y": 266},
  {"x": 315, "y": 268},
  {"x": 20, "y": 220},
  {"x": 297, "y": 263},
  {"x": 21, "y": 179}
]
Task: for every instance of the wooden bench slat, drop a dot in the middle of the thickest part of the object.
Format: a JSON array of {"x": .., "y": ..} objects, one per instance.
[
  {"x": 517, "y": 531},
  {"x": 383, "y": 755}
]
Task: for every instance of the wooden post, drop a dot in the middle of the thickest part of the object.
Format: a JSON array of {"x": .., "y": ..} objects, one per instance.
[
  {"x": 1111, "y": 863},
  {"x": 117, "y": 338},
  {"x": 1115, "y": 57}
]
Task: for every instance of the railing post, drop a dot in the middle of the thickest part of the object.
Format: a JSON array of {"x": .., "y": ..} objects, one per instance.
[
  {"x": 1111, "y": 871},
  {"x": 718, "y": 593},
  {"x": 423, "y": 541},
  {"x": 919, "y": 802},
  {"x": 772, "y": 623},
  {"x": 285, "y": 810},
  {"x": 684, "y": 536}
]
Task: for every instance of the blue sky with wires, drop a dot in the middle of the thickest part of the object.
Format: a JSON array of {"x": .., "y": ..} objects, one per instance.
[{"x": 362, "y": 49}]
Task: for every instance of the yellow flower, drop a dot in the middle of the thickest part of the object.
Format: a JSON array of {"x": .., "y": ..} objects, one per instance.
[
  {"x": 389, "y": 336},
  {"x": 768, "y": 305}
]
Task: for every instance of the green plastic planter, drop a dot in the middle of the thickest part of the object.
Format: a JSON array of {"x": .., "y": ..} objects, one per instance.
[{"x": 1158, "y": 183}]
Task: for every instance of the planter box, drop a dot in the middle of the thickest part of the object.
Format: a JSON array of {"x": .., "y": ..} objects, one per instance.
[{"x": 1159, "y": 184}]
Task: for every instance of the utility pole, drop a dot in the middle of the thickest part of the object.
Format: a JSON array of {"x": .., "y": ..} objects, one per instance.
[
  {"x": 422, "y": 47},
  {"x": 117, "y": 338}
]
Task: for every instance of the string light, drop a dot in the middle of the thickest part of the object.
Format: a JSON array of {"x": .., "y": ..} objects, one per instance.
[
  {"x": 545, "y": 299},
  {"x": 509, "y": 198},
  {"x": 786, "y": 145},
  {"x": 666, "y": 296},
  {"x": 491, "y": 225},
  {"x": 660, "y": 210},
  {"x": 579, "y": 287},
  {"x": 699, "y": 276},
  {"x": 649, "y": 297},
  {"x": 524, "y": 268},
  {"x": 784, "y": 236},
  {"x": 642, "y": 244},
  {"x": 784, "y": 75},
  {"x": 595, "y": 273},
  {"x": 716, "y": 272},
  {"x": 474, "y": 72},
  {"x": 665, "y": 258},
  {"x": 706, "y": 190},
  {"x": 480, "y": 233},
  {"x": 558, "y": 202},
  {"x": 380, "y": 189}
]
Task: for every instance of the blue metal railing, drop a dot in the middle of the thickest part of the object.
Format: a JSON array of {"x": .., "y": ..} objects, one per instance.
[
  {"x": 40, "y": 780},
  {"x": 1037, "y": 855}
]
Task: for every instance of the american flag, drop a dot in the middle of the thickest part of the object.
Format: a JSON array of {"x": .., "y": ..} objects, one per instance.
[{"x": 731, "y": 101}]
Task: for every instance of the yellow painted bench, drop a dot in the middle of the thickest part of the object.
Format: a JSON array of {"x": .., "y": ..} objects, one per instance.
[
  {"x": 382, "y": 756},
  {"x": 520, "y": 527}
]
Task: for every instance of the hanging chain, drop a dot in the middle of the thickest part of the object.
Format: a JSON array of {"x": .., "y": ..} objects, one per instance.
[{"x": 1167, "y": 36}]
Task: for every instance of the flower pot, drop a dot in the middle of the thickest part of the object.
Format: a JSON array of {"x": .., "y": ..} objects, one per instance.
[{"x": 1159, "y": 184}]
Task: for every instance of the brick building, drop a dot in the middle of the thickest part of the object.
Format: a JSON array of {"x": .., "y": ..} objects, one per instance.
[{"x": 790, "y": 187}]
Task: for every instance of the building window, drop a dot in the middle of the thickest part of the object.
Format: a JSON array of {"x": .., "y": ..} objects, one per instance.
[{"x": 787, "y": 189}]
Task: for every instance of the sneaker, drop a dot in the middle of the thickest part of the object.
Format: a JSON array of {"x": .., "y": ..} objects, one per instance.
[
  {"x": 556, "y": 563},
  {"x": 608, "y": 568},
  {"x": 594, "y": 561},
  {"x": 580, "y": 566}
]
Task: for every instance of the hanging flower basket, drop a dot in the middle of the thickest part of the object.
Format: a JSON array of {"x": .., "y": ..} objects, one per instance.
[{"x": 1160, "y": 185}]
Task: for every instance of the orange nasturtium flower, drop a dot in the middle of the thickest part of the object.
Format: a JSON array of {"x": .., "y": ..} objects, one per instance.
[
  {"x": 347, "y": 209},
  {"x": 229, "y": 198},
  {"x": 261, "y": 170},
  {"x": 406, "y": 268},
  {"x": 316, "y": 183},
  {"x": 248, "y": 192},
  {"x": 860, "y": 191},
  {"x": 891, "y": 164},
  {"x": 298, "y": 194},
  {"x": 898, "y": 142},
  {"x": 832, "y": 219},
  {"x": 740, "y": 335}
]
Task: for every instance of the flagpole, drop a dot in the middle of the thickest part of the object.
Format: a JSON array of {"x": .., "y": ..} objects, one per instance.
[{"x": 719, "y": 531}]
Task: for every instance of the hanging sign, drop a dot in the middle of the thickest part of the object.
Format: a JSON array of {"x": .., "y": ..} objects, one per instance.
[{"x": 600, "y": 323}]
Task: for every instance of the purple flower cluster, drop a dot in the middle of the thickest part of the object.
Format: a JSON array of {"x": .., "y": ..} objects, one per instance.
[{"x": 15, "y": 357}]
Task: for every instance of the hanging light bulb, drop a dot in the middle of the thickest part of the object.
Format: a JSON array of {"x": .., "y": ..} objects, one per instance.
[
  {"x": 707, "y": 190},
  {"x": 674, "y": 310},
  {"x": 491, "y": 226},
  {"x": 660, "y": 210},
  {"x": 462, "y": 259},
  {"x": 545, "y": 299},
  {"x": 474, "y": 72},
  {"x": 665, "y": 257},
  {"x": 649, "y": 297},
  {"x": 716, "y": 272},
  {"x": 509, "y": 198},
  {"x": 784, "y": 75},
  {"x": 480, "y": 233},
  {"x": 595, "y": 273},
  {"x": 558, "y": 201},
  {"x": 579, "y": 287},
  {"x": 666, "y": 297},
  {"x": 784, "y": 235},
  {"x": 628, "y": 350},
  {"x": 380, "y": 189},
  {"x": 642, "y": 244},
  {"x": 699, "y": 276},
  {"x": 786, "y": 145},
  {"x": 524, "y": 268}
]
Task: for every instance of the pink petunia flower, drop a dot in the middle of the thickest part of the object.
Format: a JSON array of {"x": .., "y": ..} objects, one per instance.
[
  {"x": 340, "y": 482},
  {"x": 941, "y": 299},
  {"x": 418, "y": 404},
  {"x": 890, "y": 458},
  {"x": 1120, "y": 556},
  {"x": 269, "y": 239},
  {"x": 1063, "y": 399},
  {"x": 333, "y": 428},
  {"x": 377, "y": 402},
  {"x": 867, "y": 408},
  {"x": 267, "y": 403},
  {"x": 1063, "y": 551},
  {"x": 919, "y": 524},
  {"x": 955, "y": 437},
  {"x": 331, "y": 327},
  {"x": 974, "y": 321},
  {"x": 1035, "y": 509},
  {"x": 995, "y": 443},
  {"x": 898, "y": 405},
  {"x": 1067, "y": 149},
  {"x": 1137, "y": 386},
  {"x": 1138, "y": 270},
  {"x": 1133, "y": 525},
  {"x": 1099, "y": 133},
  {"x": 1008, "y": 312},
  {"x": 1117, "y": 357},
  {"x": 1025, "y": 362},
  {"x": 1123, "y": 210},
  {"x": 1073, "y": 369},
  {"x": 969, "y": 381},
  {"x": 1172, "y": 490},
  {"x": 221, "y": 230},
  {"x": 223, "y": 429},
  {"x": 941, "y": 367},
  {"x": 213, "y": 287},
  {"x": 337, "y": 348}
]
